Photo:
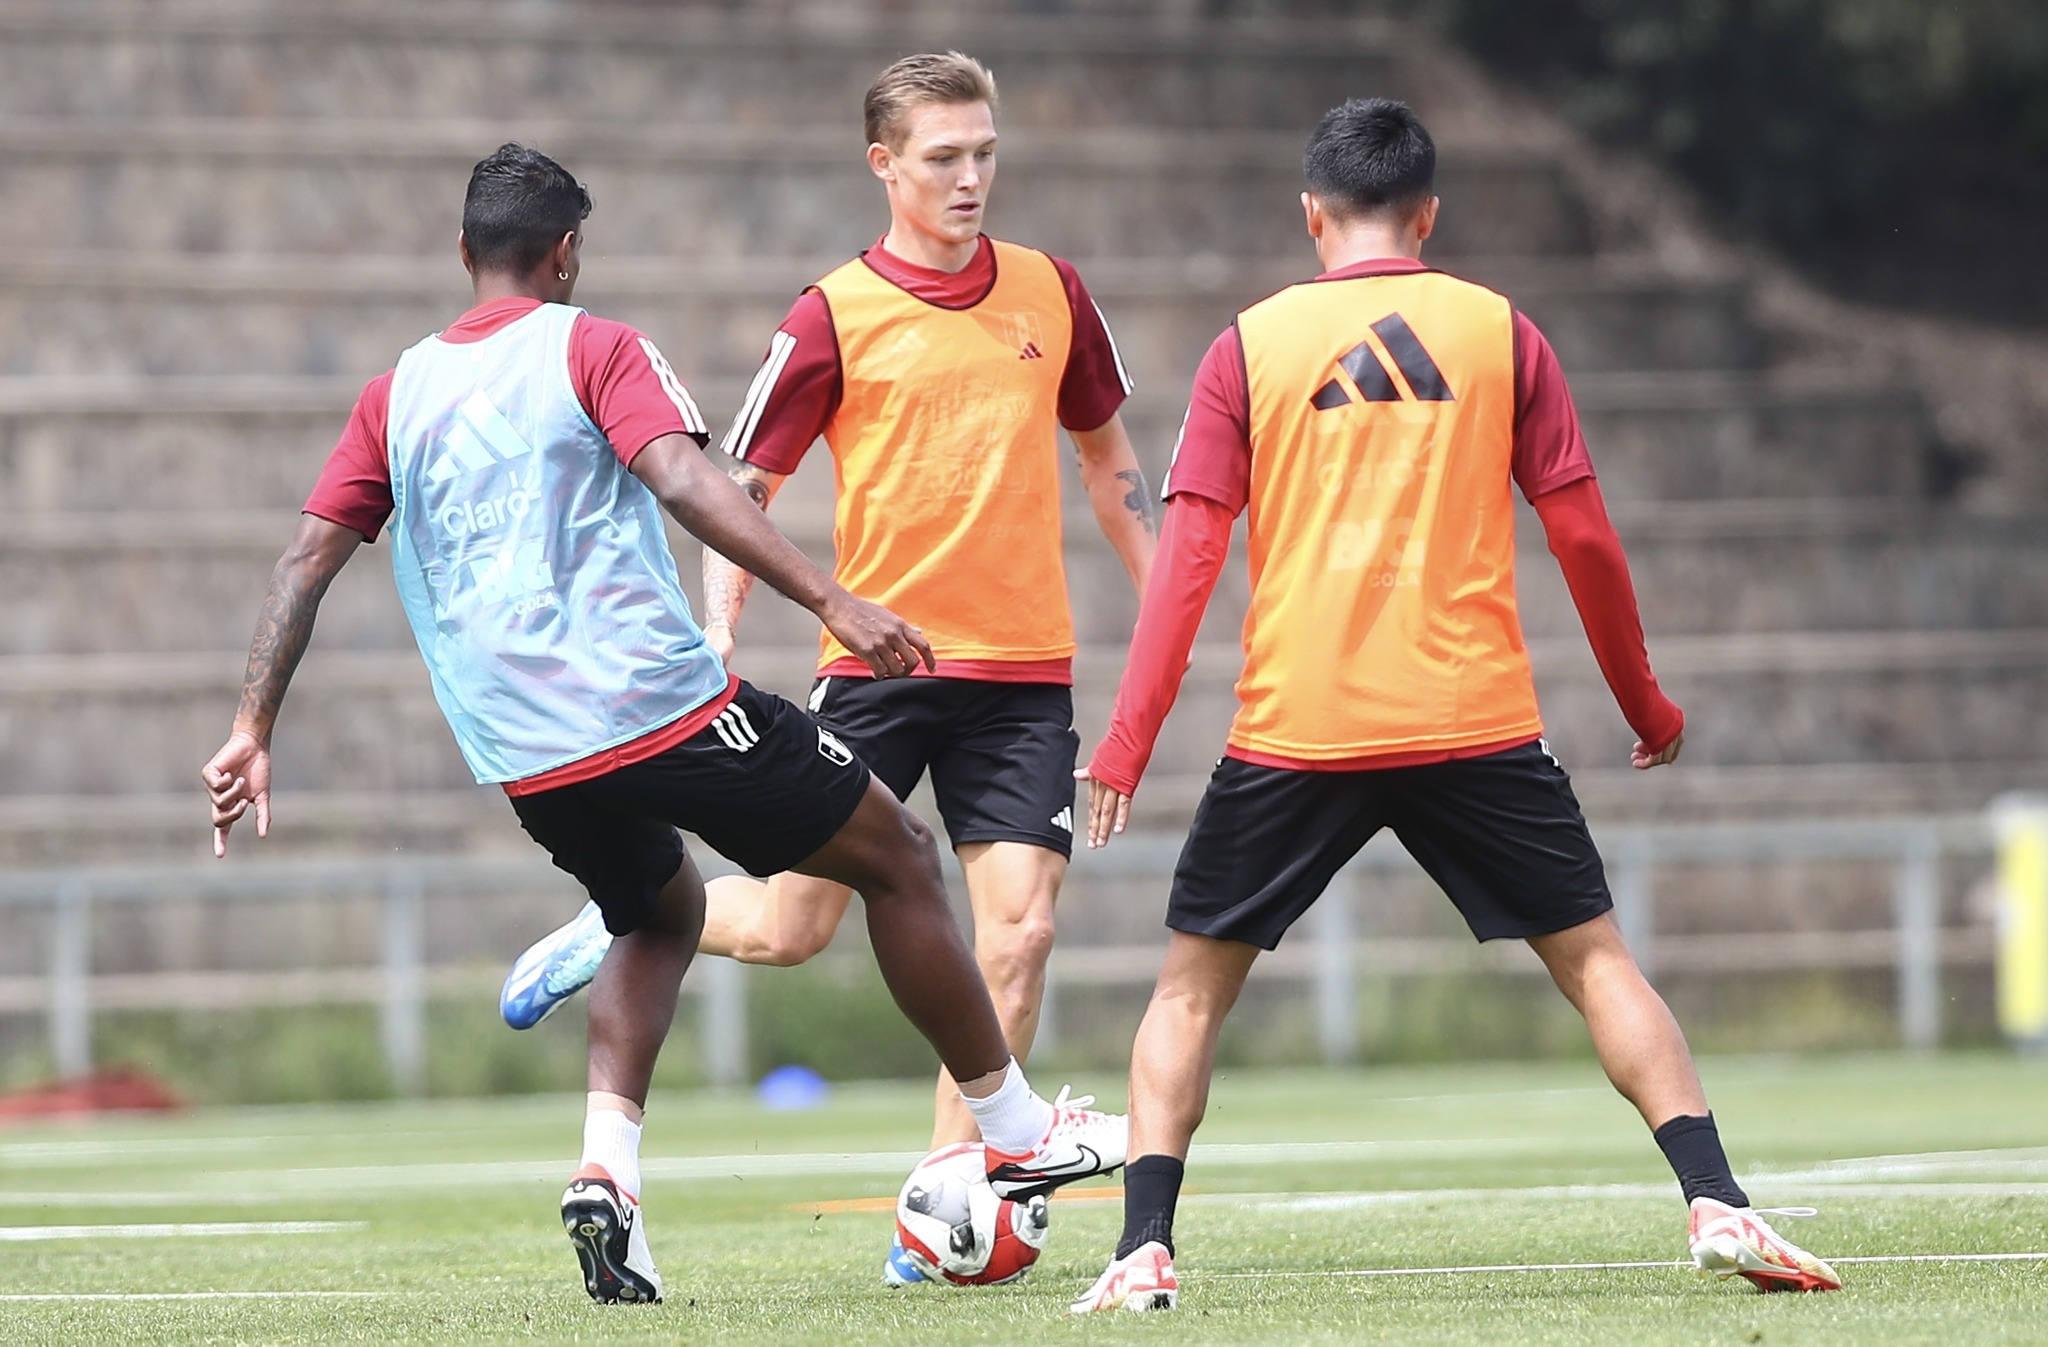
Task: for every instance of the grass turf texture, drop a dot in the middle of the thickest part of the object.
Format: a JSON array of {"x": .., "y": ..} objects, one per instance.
[{"x": 459, "y": 1243}]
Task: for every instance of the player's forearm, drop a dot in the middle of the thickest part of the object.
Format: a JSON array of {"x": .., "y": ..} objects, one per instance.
[
  {"x": 726, "y": 517},
  {"x": 1596, "y": 572},
  {"x": 1121, "y": 499},
  {"x": 285, "y": 626},
  {"x": 726, "y": 585},
  {"x": 1192, "y": 550}
]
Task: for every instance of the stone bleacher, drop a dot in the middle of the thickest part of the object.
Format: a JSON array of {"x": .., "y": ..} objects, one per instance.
[{"x": 225, "y": 217}]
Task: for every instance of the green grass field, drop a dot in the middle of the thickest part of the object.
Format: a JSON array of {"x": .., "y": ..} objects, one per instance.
[{"x": 436, "y": 1222}]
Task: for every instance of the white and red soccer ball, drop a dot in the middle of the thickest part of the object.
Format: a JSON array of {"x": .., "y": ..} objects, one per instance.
[{"x": 955, "y": 1228}]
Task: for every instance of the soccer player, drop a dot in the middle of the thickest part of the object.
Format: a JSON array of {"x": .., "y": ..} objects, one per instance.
[
  {"x": 523, "y": 456},
  {"x": 939, "y": 367},
  {"x": 1373, "y": 422}
]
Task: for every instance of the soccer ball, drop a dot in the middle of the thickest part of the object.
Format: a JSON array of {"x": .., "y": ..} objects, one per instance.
[{"x": 955, "y": 1228}]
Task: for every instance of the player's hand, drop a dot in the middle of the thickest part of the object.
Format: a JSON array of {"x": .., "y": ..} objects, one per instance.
[
  {"x": 888, "y": 645},
  {"x": 1109, "y": 810},
  {"x": 238, "y": 779},
  {"x": 720, "y": 637},
  {"x": 1643, "y": 760}
]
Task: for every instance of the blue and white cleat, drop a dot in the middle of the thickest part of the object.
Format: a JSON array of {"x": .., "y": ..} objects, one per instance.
[
  {"x": 897, "y": 1269},
  {"x": 554, "y": 968}
]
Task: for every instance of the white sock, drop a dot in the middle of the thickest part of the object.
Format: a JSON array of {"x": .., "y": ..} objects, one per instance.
[
  {"x": 611, "y": 1141},
  {"x": 1014, "y": 1118}
]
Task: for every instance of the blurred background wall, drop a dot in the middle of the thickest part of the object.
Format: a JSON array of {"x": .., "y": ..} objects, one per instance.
[{"x": 1788, "y": 253}]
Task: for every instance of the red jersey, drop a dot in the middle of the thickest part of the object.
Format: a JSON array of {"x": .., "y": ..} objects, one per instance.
[
  {"x": 622, "y": 380},
  {"x": 630, "y": 393},
  {"x": 1210, "y": 482},
  {"x": 801, "y": 394}
]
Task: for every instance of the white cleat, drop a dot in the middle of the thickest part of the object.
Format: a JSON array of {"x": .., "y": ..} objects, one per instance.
[
  {"x": 1735, "y": 1241},
  {"x": 1080, "y": 1144},
  {"x": 1139, "y": 1283},
  {"x": 611, "y": 1242}
]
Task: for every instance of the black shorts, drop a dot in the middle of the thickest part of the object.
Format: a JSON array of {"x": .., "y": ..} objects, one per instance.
[
  {"x": 1501, "y": 834},
  {"x": 763, "y": 784},
  {"x": 1001, "y": 755}
]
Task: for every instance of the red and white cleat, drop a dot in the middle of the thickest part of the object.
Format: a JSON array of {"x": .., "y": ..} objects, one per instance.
[
  {"x": 1141, "y": 1282},
  {"x": 1080, "y": 1144},
  {"x": 1729, "y": 1241}
]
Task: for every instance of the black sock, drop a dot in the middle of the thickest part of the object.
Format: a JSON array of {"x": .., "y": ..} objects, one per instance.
[
  {"x": 1694, "y": 1149},
  {"x": 1151, "y": 1188}
]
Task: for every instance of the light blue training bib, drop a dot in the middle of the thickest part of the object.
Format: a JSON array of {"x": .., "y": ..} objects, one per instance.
[{"x": 531, "y": 563}]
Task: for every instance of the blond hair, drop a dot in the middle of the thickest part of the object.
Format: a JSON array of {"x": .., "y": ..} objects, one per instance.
[{"x": 933, "y": 77}]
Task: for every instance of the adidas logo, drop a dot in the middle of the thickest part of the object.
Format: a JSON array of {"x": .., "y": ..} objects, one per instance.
[
  {"x": 480, "y": 438},
  {"x": 1064, "y": 820},
  {"x": 1031, "y": 352},
  {"x": 735, "y": 730}
]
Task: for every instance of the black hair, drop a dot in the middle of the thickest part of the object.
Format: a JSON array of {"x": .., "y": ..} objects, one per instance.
[
  {"x": 1369, "y": 155},
  {"x": 519, "y": 205}
]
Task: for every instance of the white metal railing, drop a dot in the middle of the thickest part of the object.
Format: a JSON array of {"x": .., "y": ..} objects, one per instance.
[{"x": 1332, "y": 957}]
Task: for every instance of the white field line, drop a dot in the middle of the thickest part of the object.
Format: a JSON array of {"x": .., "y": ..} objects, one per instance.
[
  {"x": 41, "y": 1297},
  {"x": 33, "y": 1234},
  {"x": 250, "y": 1186},
  {"x": 1607, "y": 1267},
  {"x": 1607, "y": 1192}
]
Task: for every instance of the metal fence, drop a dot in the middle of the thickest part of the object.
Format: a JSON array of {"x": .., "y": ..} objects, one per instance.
[{"x": 1333, "y": 960}]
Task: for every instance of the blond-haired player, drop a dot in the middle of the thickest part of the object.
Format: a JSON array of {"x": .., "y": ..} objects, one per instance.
[{"x": 940, "y": 366}]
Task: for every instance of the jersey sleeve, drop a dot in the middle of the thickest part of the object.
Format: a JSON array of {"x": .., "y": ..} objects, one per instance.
[
  {"x": 354, "y": 489},
  {"x": 1550, "y": 449},
  {"x": 1095, "y": 382},
  {"x": 1588, "y": 551},
  {"x": 794, "y": 394},
  {"x": 1192, "y": 548},
  {"x": 1213, "y": 457},
  {"x": 629, "y": 388}
]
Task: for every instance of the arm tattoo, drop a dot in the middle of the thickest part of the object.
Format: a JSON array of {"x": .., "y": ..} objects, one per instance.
[
  {"x": 1139, "y": 499},
  {"x": 282, "y": 631},
  {"x": 726, "y": 585}
]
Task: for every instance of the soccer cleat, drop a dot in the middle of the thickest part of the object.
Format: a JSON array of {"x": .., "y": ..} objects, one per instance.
[
  {"x": 610, "y": 1237},
  {"x": 1080, "y": 1144},
  {"x": 897, "y": 1269},
  {"x": 1140, "y": 1282},
  {"x": 554, "y": 968},
  {"x": 1729, "y": 1241}
]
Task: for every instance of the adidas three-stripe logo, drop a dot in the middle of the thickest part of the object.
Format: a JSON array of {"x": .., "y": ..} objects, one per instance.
[
  {"x": 732, "y": 726},
  {"x": 1374, "y": 383},
  {"x": 1064, "y": 820}
]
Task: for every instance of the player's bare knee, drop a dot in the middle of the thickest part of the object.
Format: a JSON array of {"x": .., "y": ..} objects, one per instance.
[
  {"x": 787, "y": 949},
  {"x": 1013, "y": 952}
]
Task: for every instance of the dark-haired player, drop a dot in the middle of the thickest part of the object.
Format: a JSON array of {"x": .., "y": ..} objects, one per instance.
[
  {"x": 1375, "y": 422},
  {"x": 523, "y": 456}
]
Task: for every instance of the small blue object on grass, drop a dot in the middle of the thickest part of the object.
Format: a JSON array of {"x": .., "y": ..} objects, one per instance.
[{"x": 792, "y": 1087}]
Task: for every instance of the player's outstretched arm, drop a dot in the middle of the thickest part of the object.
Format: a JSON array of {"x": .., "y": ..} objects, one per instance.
[
  {"x": 1121, "y": 499},
  {"x": 237, "y": 778},
  {"x": 722, "y": 516},
  {"x": 1588, "y": 551},
  {"x": 726, "y": 585}
]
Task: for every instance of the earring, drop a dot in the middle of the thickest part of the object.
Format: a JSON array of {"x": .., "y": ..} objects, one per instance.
[{"x": 561, "y": 275}]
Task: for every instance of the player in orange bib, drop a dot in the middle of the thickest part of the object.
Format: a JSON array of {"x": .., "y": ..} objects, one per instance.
[
  {"x": 940, "y": 367},
  {"x": 1374, "y": 423}
]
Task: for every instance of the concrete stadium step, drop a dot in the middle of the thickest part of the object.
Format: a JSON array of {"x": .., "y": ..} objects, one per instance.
[
  {"x": 1688, "y": 792},
  {"x": 366, "y": 721},
  {"x": 380, "y": 188},
  {"x": 49, "y": 830},
  {"x": 674, "y": 64},
  {"x": 239, "y": 443},
  {"x": 109, "y": 316},
  {"x": 55, "y": 829},
  {"x": 112, "y": 827},
  {"x": 169, "y": 581}
]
